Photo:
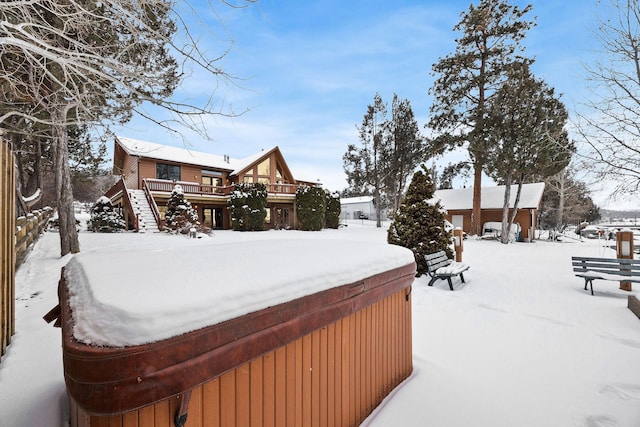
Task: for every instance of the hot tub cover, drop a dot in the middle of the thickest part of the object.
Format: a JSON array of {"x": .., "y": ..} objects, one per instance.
[{"x": 129, "y": 298}]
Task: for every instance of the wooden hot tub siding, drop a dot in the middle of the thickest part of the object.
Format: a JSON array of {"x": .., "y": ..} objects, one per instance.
[{"x": 334, "y": 375}]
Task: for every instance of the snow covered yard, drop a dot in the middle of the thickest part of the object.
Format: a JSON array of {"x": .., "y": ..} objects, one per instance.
[{"x": 521, "y": 344}]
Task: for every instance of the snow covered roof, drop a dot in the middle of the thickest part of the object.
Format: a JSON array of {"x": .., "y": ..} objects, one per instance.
[
  {"x": 136, "y": 147},
  {"x": 353, "y": 200},
  {"x": 492, "y": 197},
  {"x": 145, "y": 295}
]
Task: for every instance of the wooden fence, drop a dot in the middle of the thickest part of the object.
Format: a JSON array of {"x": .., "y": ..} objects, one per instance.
[
  {"x": 7, "y": 245},
  {"x": 17, "y": 236},
  {"x": 28, "y": 229}
]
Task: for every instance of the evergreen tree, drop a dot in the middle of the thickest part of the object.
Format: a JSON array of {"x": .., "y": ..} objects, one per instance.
[
  {"x": 419, "y": 222},
  {"x": 180, "y": 216},
  {"x": 332, "y": 215},
  {"x": 364, "y": 165},
  {"x": 404, "y": 149},
  {"x": 104, "y": 218},
  {"x": 527, "y": 137},
  {"x": 310, "y": 207},
  {"x": 467, "y": 80},
  {"x": 391, "y": 149},
  {"x": 247, "y": 206}
]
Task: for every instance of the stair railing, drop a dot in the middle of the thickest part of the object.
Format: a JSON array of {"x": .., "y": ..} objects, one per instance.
[{"x": 152, "y": 204}]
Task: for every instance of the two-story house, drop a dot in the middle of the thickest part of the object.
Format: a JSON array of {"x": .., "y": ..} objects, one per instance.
[{"x": 148, "y": 173}]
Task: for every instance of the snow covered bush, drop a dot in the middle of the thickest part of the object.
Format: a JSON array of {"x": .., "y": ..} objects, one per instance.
[
  {"x": 104, "y": 218},
  {"x": 310, "y": 207},
  {"x": 332, "y": 215},
  {"x": 247, "y": 206},
  {"x": 180, "y": 217},
  {"x": 419, "y": 222}
]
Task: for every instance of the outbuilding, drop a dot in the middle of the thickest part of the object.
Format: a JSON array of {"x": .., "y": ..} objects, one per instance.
[
  {"x": 361, "y": 207},
  {"x": 459, "y": 204}
]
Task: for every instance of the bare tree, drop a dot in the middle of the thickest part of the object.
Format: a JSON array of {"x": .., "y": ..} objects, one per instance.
[
  {"x": 78, "y": 62},
  {"x": 610, "y": 128}
]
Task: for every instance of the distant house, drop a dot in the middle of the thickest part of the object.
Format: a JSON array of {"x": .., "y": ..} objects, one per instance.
[
  {"x": 359, "y": 208},
  {"x": 459, "y": 204},
  {"x": 148, "y": 173}
]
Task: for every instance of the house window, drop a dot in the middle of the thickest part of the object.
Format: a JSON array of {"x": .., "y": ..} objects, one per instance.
[
  {"x": 211, "y": 181},
  {"x": 248, "y": 179},
  {"x": 167, "y": 171},
  {"x": 264, "y": 168}
]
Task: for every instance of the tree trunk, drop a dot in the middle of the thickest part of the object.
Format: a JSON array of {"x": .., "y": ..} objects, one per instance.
[
  {"x": 516, "y": 203},
  {"x": 476, "y": 215},
  {"x": 376, "y": 198},
  {"x": 561, "y": 196},
  {"x": 64, "y": 195},
  {"x": 504, "y": 237}
]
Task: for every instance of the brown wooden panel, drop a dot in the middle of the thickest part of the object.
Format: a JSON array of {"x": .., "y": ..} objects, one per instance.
[
  {"x": 269, "y": 387},
  {"x": 130, "y": 419},
  {"x": 345, "y": 362},
  {"x": 337, "y": 376},
  {"x": 323, "y": 376},
  {"x": 315, "y": 378},
  {"x": 256, "y": 393},
  {"x": 146, "y": 416},
  {"x": 307, "y": 391},
  {"x": 195, "y": 413},
  {"x": 280, "y": 379},
  {"x": 242, "y": 396},
  {"x": 227, "y": 399},
  {"x": 161, "y": 414},
  {"x": 292, "y": 384},
  {"x": 211, "y": 407}
]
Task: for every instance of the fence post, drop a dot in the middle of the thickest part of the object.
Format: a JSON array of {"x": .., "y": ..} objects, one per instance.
[
  {"x": 624, "y": 250},
  {"x": 7, "y": 246},
  {"x": 458, "y": 237}
]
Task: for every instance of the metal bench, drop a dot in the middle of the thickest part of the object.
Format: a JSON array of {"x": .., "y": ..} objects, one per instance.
[
  {"x": 441, "y": 267},
  {"x": 614, "y": 269}
]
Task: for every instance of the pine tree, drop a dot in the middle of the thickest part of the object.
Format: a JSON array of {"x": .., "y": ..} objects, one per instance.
[
  {"x": 180, "y": 216},
  {"x": 491, "y": 32},
  {"x": 526, "y": 134},
  {"x": 104, "y": 218},
  {"x": 419, "y": 222},
  {"x": 391, "y": 149}
]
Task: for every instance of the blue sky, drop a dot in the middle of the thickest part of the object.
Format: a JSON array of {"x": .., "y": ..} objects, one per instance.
[{"x": 307, "y": 71}]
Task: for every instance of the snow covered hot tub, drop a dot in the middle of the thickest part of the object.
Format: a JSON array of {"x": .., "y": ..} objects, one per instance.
[{"x": 267, "y": 332}]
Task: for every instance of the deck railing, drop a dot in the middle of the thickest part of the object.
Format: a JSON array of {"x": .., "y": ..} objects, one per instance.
[{"x": 214, "y": 190}]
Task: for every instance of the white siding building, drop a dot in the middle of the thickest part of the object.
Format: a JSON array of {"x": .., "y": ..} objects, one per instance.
[{"x": 359, "y": 208}]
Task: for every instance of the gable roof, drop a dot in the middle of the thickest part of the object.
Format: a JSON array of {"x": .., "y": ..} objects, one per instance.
[
  {"x": 136, "y": 147},
  {"x": 491, "y": 197},
  {"x": 354, "y": 200}
]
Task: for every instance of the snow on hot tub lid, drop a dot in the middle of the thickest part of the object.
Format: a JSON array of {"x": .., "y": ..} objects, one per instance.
[{"x": 129, "y": 298}]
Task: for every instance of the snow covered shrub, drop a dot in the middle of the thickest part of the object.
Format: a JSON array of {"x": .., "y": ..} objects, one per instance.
[
  {"x": 104, "y": 218},
  {"x": 180, "y": 217},
  {"x": 247, "y": 206},
  {"x": 332, "y": 215},
  {"x": 419, "y": 222},
  {"x": 310, "y": 207}
]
